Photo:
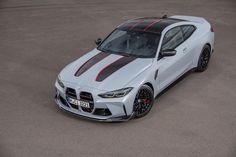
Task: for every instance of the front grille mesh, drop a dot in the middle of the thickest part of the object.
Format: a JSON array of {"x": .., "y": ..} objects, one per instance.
[
  {"x": 86, "y": 96},
  {"x": 70, "y": 92}
]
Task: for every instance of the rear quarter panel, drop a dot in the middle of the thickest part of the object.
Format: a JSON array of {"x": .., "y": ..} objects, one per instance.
[{"x": 199, "y": 39}]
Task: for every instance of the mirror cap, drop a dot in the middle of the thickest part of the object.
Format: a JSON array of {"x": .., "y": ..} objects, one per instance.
[
  {"x": 168, "y": 52},
  {"x": 98, "y": 41}
]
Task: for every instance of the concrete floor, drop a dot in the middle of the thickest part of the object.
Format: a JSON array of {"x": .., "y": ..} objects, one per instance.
[{"x": 195, "y": 118}]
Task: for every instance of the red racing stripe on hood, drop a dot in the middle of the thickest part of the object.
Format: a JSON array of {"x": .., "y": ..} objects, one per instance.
[
  {"x": 113, "y": 67},
  {"x": 89, "y": 63}
]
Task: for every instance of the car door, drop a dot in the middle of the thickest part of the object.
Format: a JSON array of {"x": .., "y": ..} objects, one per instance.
[
  {"x": 188, "y": 30},
  {"x": 172, "y": 67}
]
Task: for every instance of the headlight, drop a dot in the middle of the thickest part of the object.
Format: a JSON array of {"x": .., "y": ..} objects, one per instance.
[
  {"x": 117, "y": 93},
  {"x": 60, "y": 82}
]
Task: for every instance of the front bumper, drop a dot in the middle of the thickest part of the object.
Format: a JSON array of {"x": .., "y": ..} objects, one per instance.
[{"x": 119, "y": 110}]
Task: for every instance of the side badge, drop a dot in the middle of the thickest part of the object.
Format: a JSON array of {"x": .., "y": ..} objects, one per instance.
[{"x": 156, "y": 74}]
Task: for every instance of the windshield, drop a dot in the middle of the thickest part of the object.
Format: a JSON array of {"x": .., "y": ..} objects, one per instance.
[{"x": 131, "y": 43}]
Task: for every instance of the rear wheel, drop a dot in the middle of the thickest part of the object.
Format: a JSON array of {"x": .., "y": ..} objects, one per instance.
[
  {"x": 204, "y": 59},
  {"x": 143, "y": 101}
]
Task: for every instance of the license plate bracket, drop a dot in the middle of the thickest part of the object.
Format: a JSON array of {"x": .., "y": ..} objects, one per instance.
[{"x": 78, "y": 102}]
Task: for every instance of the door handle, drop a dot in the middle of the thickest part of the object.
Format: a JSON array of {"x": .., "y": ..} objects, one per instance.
[{"x": 185, "y": 50}]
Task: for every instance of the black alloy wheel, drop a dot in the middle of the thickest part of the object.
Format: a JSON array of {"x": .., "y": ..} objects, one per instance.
[
  {"x": 204, "y": 59},
  {"x": 143, "y": 101}
]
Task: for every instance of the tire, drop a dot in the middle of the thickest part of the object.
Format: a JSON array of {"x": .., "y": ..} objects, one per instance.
[
  {"x": 204, "y": 59},
  {"x": 143, "y": 101}
]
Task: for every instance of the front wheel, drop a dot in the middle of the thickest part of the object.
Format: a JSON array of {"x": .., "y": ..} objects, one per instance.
[
  {"x": 143, "y": 101},
  {"x": 204, "y": 59}
]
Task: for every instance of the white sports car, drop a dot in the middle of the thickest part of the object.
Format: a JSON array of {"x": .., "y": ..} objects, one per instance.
[{"x": 120, "y": 78}]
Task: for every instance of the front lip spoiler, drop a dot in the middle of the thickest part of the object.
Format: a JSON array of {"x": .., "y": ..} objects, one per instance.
[{"x": 112, "y": 119}]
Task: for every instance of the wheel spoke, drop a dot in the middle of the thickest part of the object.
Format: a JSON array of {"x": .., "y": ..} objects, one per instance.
[
  {"x": 142, "y": 103},
  {"x": 205, "y": 58}
]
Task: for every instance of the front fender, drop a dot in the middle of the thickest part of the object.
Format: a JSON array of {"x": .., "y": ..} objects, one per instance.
[{"x": 147, "y": 76}]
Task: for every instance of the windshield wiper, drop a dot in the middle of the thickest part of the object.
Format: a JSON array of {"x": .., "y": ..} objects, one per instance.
[
  {"x": 118, "y": 53},
  {"x": 105, "y": 50},
  {"x": 127, "y": 54}
]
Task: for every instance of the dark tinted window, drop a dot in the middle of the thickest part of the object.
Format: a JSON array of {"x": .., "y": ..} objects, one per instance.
[
  {"x": 131, "y": 43},
  {"x": 172, "y": 38},
  {"x": 187, "y": 31}
]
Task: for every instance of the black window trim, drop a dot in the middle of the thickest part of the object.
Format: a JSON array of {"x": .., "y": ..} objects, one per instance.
[
  {"x": 159, "y": 55},
  {"x": 191, "y": 33},
  {"x": 170, "y": 30}
]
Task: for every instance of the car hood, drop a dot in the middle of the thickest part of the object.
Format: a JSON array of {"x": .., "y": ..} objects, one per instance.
[{"x": 104, "y": 71}]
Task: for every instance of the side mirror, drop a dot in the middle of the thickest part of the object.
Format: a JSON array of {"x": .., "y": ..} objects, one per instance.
[
  {"x": 98, "y": 41},
  {"x": 168, "y": 52}
]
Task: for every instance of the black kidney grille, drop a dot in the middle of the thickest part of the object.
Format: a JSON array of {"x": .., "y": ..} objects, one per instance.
[
  {"x": 70, "y": 92},
  {"x": 86, "y": 96},
  {"x": 74, "y": 106}
]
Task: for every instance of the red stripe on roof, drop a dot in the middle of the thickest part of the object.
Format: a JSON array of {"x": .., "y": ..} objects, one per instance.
[
  {"x": 132, "y": 26},
  {"x": 150, "y": 25}
]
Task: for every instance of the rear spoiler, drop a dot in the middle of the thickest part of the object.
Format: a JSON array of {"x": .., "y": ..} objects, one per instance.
[{"x": 190, "y": 18}]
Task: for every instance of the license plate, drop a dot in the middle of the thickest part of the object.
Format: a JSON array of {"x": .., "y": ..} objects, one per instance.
[{"x": 79, "y": 102}]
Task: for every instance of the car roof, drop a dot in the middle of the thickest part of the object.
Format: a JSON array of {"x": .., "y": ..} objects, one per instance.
[{"x": 148, "y": 24}]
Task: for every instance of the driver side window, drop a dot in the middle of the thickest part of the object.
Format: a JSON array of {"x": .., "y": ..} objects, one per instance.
[{"x": 172, "y": 39}]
